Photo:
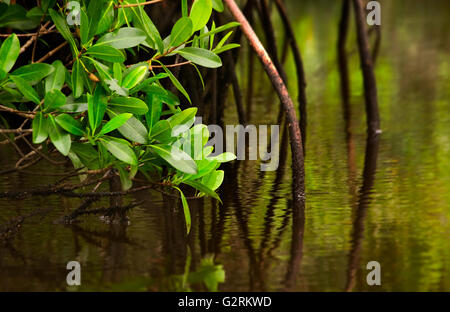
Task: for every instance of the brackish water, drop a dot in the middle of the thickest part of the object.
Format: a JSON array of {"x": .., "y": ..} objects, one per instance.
[{"x": 389, "y": 202}]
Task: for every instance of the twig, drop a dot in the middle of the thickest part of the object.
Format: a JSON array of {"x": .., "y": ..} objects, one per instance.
[
  {"x": 33, "y": 53},
  {"x": 20, "y": 113},
  {"x": 280, "y": 87},
  {"x": 33, "y": 38},
  {"x": 30, "y": 34},
  {"x": 173, "y": 65},
  {"x": 122, "y": 6},
  {"x": 49, "y": 54},
  {"x": 16, "y": 130}
]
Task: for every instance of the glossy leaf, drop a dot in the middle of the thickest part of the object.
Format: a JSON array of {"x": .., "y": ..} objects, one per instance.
[
  {"x": 218, "y": 5},
  {"x": 181, "y": 31},
  {"x": 132, "y": 130},
  {"x": 201, "y": 57},
  {"x": 27, "y": 91},
  {"x": 176, "y": 157},
  {"x": 200, "y": 13},
  {"x": 114, "y": 123},
  {"x": 33, "y": 73},
  {"x": 220, "y": 29},
  {"x": 70, "y": 124},
  {"x": 214, "y": 179},
  {"x": 186, "y": 118},
  {"x": 54, "y": 99},
  {"x": 203, "y": 188},
  {"x": 120, "y": 149},
  {"x": 96, "y": 108},
  {"x": 60, "y": 139},
  {"x": 106, "y": 18},
  {"x": 176, "y": 83},
  {"x": 55, "y": 80},
  {"x": 129, "y": 105},
  {"x": 40, "y": 128},
  {"x": 77, "y": 79},
  {"x": 84, "y": 27},
  {"x": 186, "y": 210},
  {"x": 124, "y": 38},
  {"x": 106, "y": 53},
  {"x": 155, "y": 108},
  {"x": 9, "y": 52},
  {"x": 142, "y": 21},
  {"x": 63, "y": 28},
  {"x": 136, "y": 76}
]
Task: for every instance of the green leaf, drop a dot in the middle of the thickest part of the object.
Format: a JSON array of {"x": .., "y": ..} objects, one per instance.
[
  {"x": 135, "y": 77},
  {"x": 77, "y": 79},
  {"x": 185, "y": 117},
  {"x": 155, "y": 108},
  {"x": 84, "y": 27},
  {"x": 87, "y": 154},
  {"x": 26, "y": 89},
  {"x": 124, "y": 38},
  {"x": 203, "y": 188},
  {"x": 218, "y": 5},
  {"x": 94, "y": 12},
  {"x": 187, "y": 212},
  {"x": 176, "y": 157},
  {"x": 200, "y": 13},
  {"x": 161, "y": 131},
  {"x": 55, "y": 81},
  {"x": 129, "y": 105},
  {"x": 226, "y": 48},
  {"x": 59, "y": 138},
  {"x": 181, "y": 31},
  {"x": 176, "y": 83},
  {"x": 225, "y": 157},
  {"x": 46, "y": 4},
  {"x": 133, "y": 129},
  {"x": 54, "y": 99},
  {"x": 205, "y": 167},
  {"x": 9, "y": 52},
  {"x": 114, "y": 123},
  {"x": 40, "y": 128},
  {"x": 125, "y": 178},
  {"x": 117, "y": 73},
  {"x": 73, "y": 106},
  {"x": 220, "y": 29},
  {"x": 106, "y": 18},
  {"x": 15, "y": 17},
  {"x": 201, "y": 57},
  {"x": 96, "y": 108},
  {"x": 70, "y": 124},
  {"x": 224, "y": 39},
  {"x": 33, "y": 73},
  {"x": 120, "y": 149},
  {"x": 148, "y": 82},
  {"x": 214, "y": 179},
  {"x": 64, "y": 30},
  {"x": 164, "y": 95},
  {"x": 106, "y": 53},
  {"x": 142, "y": 21}
]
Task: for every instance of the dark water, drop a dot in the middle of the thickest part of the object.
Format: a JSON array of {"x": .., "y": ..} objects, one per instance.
[{"x": 387, "y": 201}]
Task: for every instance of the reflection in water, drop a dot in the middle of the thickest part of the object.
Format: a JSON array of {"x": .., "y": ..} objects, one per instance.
[
  {"x": 258, "y": 239},
  {"x": 370, "y": 166}
]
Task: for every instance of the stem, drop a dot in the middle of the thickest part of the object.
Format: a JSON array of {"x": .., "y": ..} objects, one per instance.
[
  {"x": 370, "y": 84},
  {"x": 280, "y": 87},
  {"x": 136, "y": 4}
]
